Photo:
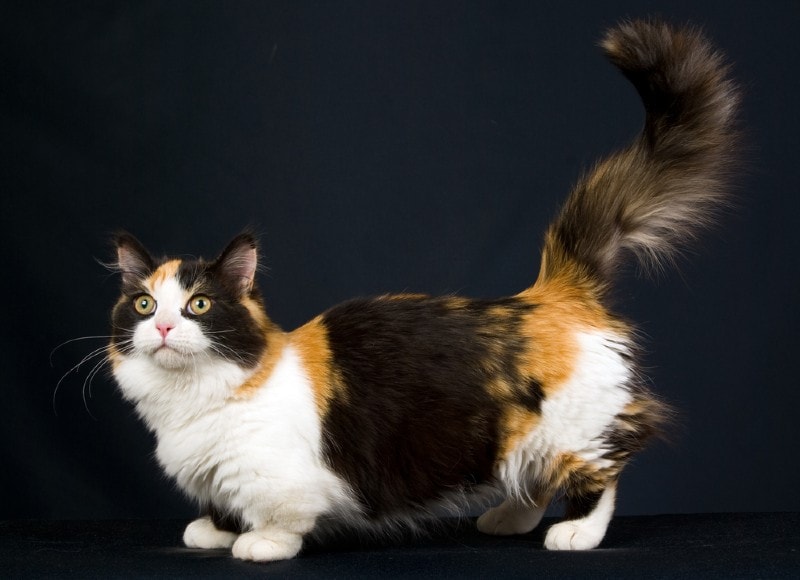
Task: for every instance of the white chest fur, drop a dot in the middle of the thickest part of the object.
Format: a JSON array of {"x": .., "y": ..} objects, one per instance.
[{"x": 247, "y": 455}]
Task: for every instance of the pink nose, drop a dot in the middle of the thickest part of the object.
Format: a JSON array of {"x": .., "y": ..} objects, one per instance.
[{"x": 164, "y": 328}]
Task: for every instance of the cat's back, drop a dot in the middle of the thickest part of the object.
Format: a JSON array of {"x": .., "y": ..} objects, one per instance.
[{"x": 401, "y": 336}]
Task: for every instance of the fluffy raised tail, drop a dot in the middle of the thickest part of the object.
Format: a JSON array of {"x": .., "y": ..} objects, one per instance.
[{"x": 654, "y": 196}]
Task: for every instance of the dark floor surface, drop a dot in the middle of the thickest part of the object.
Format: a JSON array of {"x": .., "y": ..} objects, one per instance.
[{"x": 761, "y": 545}]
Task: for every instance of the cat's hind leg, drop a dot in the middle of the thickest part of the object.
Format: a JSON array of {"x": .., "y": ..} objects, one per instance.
[
  {"x": 587, "y": 517},
  {"x": 202, "y": 533},
  {"x": 512, "y": 517}
]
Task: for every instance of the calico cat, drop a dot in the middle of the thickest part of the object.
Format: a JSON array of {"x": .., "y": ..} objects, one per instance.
[{"x": 384, "y": 409}]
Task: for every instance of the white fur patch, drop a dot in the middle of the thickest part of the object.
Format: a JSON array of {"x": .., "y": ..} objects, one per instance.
[
  {"x": 584, "y": 533},
  {"x": 266, "y": 545},
  {"x": 259, "y": 457},
  {"x": 202, "y": 533}
]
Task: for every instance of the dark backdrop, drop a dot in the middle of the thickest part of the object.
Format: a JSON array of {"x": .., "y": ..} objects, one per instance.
[{"x": 375, "y": 147}]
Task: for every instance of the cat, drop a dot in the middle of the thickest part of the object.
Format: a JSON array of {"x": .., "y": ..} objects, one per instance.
[{"x": 381, "y": 410}]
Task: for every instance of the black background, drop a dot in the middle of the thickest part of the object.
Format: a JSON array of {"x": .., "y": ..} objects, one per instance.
[{"x": 375, "y": 147}]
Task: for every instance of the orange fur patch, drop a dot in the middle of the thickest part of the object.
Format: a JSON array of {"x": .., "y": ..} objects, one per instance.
[
  {"x": 276, "y": 341},
  {"x": 569, "y": 470},
  {"x": 404, "y": 296},
  {"x": 163, "y": 272},
  {"x": 563, "y": 308},
  {"x": 311, "y": 343},
  {"x": 114, "y": 356},
  {"x": 517, "y": 422},
  {"x": 256, "y": 310}
]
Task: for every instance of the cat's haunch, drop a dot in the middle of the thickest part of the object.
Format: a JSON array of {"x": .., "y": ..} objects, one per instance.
[{"x": 382, "y": 410}]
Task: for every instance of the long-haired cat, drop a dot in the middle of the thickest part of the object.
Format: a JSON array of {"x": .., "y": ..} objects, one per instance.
[{"x": 384, "y": 409}]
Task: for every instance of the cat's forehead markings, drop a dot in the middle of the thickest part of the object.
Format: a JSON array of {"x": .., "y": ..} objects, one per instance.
[{"x": 164, "y": 272}]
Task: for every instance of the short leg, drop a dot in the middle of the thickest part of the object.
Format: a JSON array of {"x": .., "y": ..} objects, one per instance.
[
  {"x": 267, "y": 544},
  {"x": 588, "y": 517},
  {"x": 511, "y": 517},
  {"x": 276, "y": 537},
  {"x": 202, "y": 533}
]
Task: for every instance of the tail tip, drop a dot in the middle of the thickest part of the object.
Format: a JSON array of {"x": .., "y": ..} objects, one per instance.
[{"x": 645, "y": 44}]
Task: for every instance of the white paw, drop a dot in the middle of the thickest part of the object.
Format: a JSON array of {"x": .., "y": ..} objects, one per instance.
[
  {"x": 267, "y": 545},
  {"x": 508, "y": 519},
  {"x": 203, "y": 534},
  {"x": 574, "y": 535}
]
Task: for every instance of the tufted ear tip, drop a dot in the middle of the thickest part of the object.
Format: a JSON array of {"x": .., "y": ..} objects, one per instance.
[{"x": 239, "y": 262}]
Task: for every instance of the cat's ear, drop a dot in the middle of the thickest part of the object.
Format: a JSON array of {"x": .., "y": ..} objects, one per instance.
[
  {"x": 133, "y": 260},
  {"x": 238, "y": 263}
]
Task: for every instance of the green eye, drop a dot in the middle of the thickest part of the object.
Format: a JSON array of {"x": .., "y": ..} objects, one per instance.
[
  {"x": 199, "y": 305},
  {"x": 144, "y": 304}
]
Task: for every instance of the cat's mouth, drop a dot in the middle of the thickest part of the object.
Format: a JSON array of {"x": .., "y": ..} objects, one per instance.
[
  {"x": 171, "y": 352},
  {"x": 168, "y": 357}
]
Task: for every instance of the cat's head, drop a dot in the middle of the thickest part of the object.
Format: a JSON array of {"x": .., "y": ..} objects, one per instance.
[{"x": 180, "y": 313}]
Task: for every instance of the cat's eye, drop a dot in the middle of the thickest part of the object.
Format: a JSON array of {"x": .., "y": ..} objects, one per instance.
[
  {"x": 199, "y": 305},
  {"x": 144, "y": 304}
]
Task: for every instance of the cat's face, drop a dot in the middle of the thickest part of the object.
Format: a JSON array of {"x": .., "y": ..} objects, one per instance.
[{"x": 184, "y": 313}]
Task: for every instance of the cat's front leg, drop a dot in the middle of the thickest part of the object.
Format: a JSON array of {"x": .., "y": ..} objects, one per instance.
[
  {"x": 202, "y": 533},
  {"x": 588, "y": 517},
  {"x": 267, "y": 544},
  {"x": 276, "y": 530}
]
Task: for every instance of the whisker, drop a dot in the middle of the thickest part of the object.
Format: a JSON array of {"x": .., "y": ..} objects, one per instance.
[
  {"x": 222, "y": 351},
  {"x": 88, "y": 383},
  {"x": 71, "y": 340},
  {"x": 122, "y": 346},
  {"x": 219, "y": 331},
  {"x": 123, "y": 329},
  {"x": 75, "y": 368}
]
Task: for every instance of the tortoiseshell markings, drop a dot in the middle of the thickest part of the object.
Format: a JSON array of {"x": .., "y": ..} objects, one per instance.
[
  {"x": 266, "y": 364},
  {"x": 311, "y": 343},
  {"x": 163, "y": 272}
]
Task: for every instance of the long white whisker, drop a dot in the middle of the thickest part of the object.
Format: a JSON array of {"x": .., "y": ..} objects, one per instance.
[
  {"x": 123, "y": 346},
  {"x": 97, "y": 352},
  {"x": 91, "y": 355},
  {"x": 71, "y": 340},
  {"x": 87, "y": 382},
  {"x": 222, "y": 349},
  {"x": 219, "y": 331}
]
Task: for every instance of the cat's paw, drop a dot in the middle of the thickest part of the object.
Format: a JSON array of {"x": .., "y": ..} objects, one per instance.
[
  {"x": 574, "y": 535},
  {"x": 204, "y": 534},
  {"x": 509, "y": 519},
  {"x": 267, "y": 545}
]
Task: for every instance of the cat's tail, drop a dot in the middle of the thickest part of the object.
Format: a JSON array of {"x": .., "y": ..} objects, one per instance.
[{"x": 654, "y": 196}]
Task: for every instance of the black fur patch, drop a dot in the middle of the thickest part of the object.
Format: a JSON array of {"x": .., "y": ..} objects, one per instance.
[
  {"x": 416, "y": 418},
  {"x": 580, "y": 504},
  {"x": 531, "y": 397},
  {"x": 226, "y": 521}
]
